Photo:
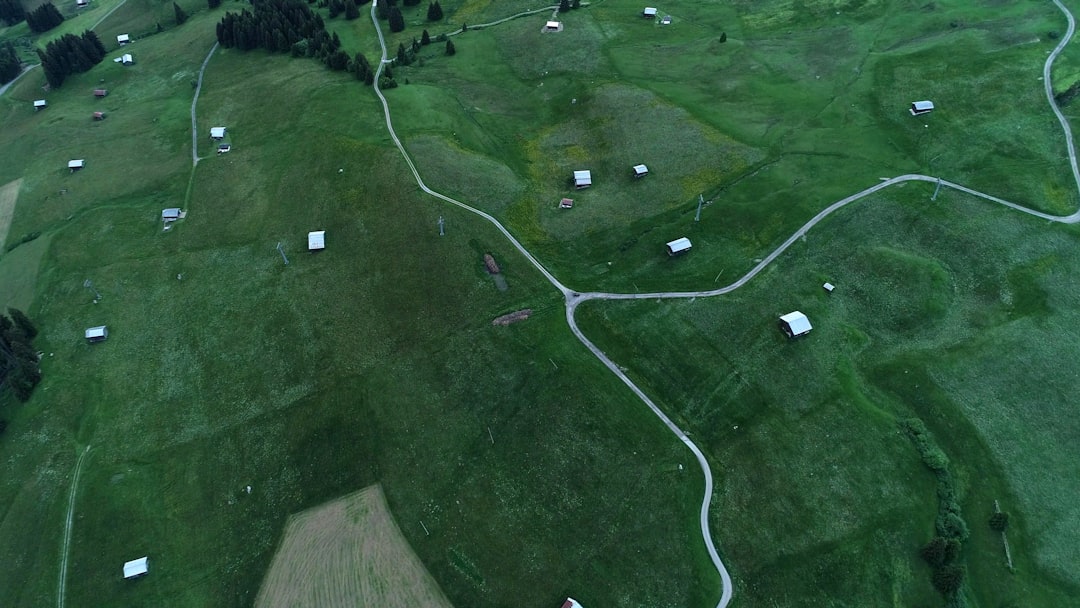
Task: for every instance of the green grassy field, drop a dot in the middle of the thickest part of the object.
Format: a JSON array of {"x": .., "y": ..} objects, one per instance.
[{"x": 537, "y": 474}]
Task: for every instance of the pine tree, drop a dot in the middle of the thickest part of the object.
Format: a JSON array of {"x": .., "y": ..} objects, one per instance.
[
  {"x": 397, "y": 21},
  {"x": 434, "y": 11},
  {"x": 425, "y": 38},
  {"x": 181, "y": 16},
  {"x": 575, "y": 4},
  {"x": 450, "y": 50},
  {"x": 11, "y": 12},
  {"x": 9, "y": 63},
  {"x": 402, "y": 58},
  {"x": 44, "y": 18},
  {"x": 352, "y": 11},
  {"x": 212, "y": 4},
  {"x": 564, "y": 6},
  {"x": 723, "y": 36}
]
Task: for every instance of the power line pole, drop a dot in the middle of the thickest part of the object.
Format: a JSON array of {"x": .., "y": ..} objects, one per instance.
[
  {"x": 441, "y": 223},
  {"x": 281, "y": 250},
  {"x": 934, "y": 197},
  {"x": 90, "y": 285},
  {"x": 700, "y": 202}
]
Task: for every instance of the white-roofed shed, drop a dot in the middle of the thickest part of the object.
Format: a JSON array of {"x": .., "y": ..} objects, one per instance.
[
  {"x": 795, "y": 324},
  {"x": 316, "y": 240},
  {"x": 582, "y": 179},
  {"x": 640, "y": 170},
  {"x": 649, "y": 12},
  {"x": 76, "y": 164},
  {"x": 921, "y": 107},
  {"x": 678, "y": 246},
  {"x": 217, "y": 132},
  {"x": 123, "y": 39},
  {"x": 127, "y": 59},
  {"x": 136, "y": 567},
  {"x": 40, "y": 103},
  {"x": 97, "y": 334}
]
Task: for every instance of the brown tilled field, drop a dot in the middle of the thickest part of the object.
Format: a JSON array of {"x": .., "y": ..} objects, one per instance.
[
  {"x": 9, "y": 193},
  {"x": 347, "y": 553}
]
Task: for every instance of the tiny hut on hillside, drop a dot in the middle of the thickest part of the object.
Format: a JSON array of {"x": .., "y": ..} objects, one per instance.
[
  {"x": 217, "y": 132},
  {"x": 99, "y": 116},
  {"x": 922, "y": 107},
  {"x": 571, "y": 603},
  {"x": 582, "y": 179},
  {"x": 551, "y": 26},
  {"x": 123, "y": 39},
  {"x": 649, "y": 12},
  {"x": 127, "y": 59},
  {"x": 678, "y": 246},
  {"x": 40, "y": 104},
  {"x": 566, "y": 203},
  {"x": 316, "y": 240},
  {"x": 795, "y": 324},
  {"x": 100, "y": 92},
  {"x": 136, "y": 567},
  {"x": 640, "y": 170},
  {"x": 170, "y": 215},
  {"x": 75, "y": 165},
  {"x": 81, "y": 3},
  {"x": 97, "y": 334}
]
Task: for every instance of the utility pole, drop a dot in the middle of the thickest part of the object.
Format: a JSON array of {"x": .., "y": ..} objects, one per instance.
[
  {"x": 442, "y": 232},
  {"x": 90, "y": 285},
  {"x": 281, "y": 250},
  {"x": 700, "y": 202},
  {"x": 934, "y": 197}
]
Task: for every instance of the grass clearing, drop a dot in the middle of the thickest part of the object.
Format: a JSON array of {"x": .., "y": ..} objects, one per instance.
[
  {"x": 536, "y": 473},
  {"x": 348, "y": 552}
]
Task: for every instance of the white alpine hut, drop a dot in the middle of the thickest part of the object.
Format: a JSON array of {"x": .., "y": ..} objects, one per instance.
[
  {"x": 76, "y": 164},
  {"x": 97, "y": 334},
  {"x": 640, "y": 170},
  {"x": 40, "y": 104},
  {"x": 649, "y": 12},
  {"x": 123, "y": 39},
  {"x": 127, "y": 59},
  {"x": 922, "y": 107},
  {"x": 316, "y": 240},
  {"x": 136, "y": 567},
  {"x": 217, "y": 132},
  {"x": 678, "y": 246},
  {"x": 582, "y": 179},
  {"x": 795, "y": 324},
  {"x": 571, "y": 603}
]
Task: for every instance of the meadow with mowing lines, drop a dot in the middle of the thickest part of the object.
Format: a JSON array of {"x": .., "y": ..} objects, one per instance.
[{"x": 536, "y": 474}]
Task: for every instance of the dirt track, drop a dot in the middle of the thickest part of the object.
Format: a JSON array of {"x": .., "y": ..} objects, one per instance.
[{"x": 346, "y": 553}]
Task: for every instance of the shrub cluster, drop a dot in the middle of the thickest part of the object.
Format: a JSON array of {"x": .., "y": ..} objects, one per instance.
[
  {"x": 943, "y": 552},
  {"x": 19, "y": 369},
  {"x": 44, "y": 18},
  {"x": 70, "y": 54}
]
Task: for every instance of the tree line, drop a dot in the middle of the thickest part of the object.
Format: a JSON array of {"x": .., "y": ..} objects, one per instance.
[
  {"x": 44, "y": 18},
  {"x": 290, "y": 26},
  {"x": 70, "y": 54},
  {"x": 11, "y": 12},
  {"x": 19, "y": 364},
  {"x": 10, "y": 65}
]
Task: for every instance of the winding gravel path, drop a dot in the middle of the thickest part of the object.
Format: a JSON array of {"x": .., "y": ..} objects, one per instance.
[
  {"x": 573, "y": 298},
  {"x": 194, "y": 102}
]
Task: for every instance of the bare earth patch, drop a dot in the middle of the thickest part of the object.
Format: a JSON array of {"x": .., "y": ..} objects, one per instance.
[
  {"x": 9, "y": 193},
  {"x": 346, "y": 553}
]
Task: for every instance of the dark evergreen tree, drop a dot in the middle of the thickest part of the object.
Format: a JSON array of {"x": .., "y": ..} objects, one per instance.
[
  {"x": 352, "y": 11},
  {"x": 362, "y": 69},
  {"x": 425, "y": 38},
  {"x": 415, "y": 46},
  {"x": 181, "y": 16},
  {"x": 575, "y": 4},
  {"x": 93, "y": 39},
  {"x": 70, "y": 54},
  {"x": 44, "y": 18},
  {"x": 10, "y": 66},
  {"x": 434, "y": 11},
  {"x": 336, "y": 7},
  {"x": 410, "y": 2},
  {"x": 397, "y": 21},
  {"x": 564, "y": 6},
  {"x": 723, "y": 36},
  {"x": 11, "y": 12},
  {"x": 402, "y": 58},
  {"x": 450, "y": 50},
  {"x": 212, "y": 4}
]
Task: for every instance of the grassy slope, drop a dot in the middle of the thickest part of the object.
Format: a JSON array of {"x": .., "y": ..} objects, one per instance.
[
  {"x": 375, "y": 360},
  {"x": 292, "y": 389},
  {"x": 937, "y": 314}
]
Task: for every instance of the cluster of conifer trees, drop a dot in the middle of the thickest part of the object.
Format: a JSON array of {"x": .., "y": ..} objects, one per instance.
[
  {"x": 10, "y": 66},
  {"x": 11, "y": 11},
  {"x": 289, "y": 26},
  {"x": 19, "y": 369},
  {"x": 44, "y": 18},
  {"x": 70, "y": 54}
]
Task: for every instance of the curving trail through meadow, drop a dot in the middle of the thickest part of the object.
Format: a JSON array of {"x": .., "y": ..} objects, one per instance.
[{"x": 573, "y": 298}]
